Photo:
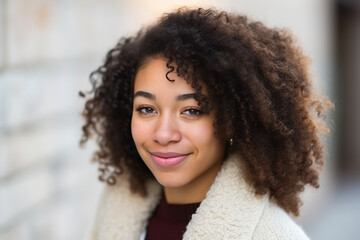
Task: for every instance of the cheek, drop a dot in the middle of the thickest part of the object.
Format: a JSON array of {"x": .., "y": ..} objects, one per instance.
[
  {"x": 137, "y": 131},
  {"x": 202, "y": 134},
  {"x": 210, "y": 148}
]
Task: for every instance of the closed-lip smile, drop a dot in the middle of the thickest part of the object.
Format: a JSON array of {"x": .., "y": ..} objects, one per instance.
[{"x": 168, "y": 159}]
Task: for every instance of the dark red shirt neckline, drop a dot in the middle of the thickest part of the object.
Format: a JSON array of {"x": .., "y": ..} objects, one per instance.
[{"x": 169, "y": 221}]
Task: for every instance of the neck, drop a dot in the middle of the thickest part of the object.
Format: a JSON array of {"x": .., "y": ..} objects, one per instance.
[{"x": 193, "y": 192}]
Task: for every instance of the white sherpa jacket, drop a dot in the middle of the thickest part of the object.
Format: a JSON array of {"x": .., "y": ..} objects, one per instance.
[{"x": 230, "y": 210}]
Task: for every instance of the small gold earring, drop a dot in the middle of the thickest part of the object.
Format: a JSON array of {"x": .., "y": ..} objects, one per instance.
[{"x": 231, "y": 141}]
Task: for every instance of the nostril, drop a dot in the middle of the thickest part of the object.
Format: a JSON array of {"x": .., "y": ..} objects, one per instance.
[
  {"x": 167, "y": 132},
  {"x": 165, "y": 139}
]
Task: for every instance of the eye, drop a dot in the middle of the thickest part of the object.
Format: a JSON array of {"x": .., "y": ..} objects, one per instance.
[
  {"x": 146, "y": 110},
  {"x": 192, "y": 112}
]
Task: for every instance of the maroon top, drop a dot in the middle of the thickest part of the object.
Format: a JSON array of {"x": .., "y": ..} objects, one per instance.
[{"x": 169, "y": 221}]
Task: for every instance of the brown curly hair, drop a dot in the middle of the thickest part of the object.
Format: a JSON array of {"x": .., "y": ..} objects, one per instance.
[{"x": 257, "y": 80}]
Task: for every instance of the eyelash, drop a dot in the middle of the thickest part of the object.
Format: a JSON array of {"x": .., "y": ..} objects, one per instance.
[
  {"x": 193, "y": 112},
  {"x": 143, "y": 108}
]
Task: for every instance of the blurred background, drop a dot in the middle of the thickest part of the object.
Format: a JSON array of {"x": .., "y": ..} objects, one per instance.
[{"x": 49, "y": 188}]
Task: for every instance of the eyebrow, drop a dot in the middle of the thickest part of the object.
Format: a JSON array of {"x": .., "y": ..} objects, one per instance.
[
  {"x": 181, "y": 97},
  {"x": 184, "y": 97},
  {"x": 145, "y": 95}
]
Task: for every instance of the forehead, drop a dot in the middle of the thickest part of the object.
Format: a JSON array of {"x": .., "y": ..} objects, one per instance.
[{"x": 152, "y": 76}]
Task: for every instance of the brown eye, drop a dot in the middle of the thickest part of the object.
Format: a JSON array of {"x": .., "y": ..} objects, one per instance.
[
  {"x": 145, "y": 110},
  {"x": 192, "y": 112}
]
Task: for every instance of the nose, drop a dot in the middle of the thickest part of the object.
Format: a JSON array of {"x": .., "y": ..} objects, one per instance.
[{"x": 166, "y": 131}]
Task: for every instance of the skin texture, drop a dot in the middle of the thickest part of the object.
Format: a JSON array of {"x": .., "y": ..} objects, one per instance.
[
  {"x": 162, "y": 122},
  {"x": 257, "y": 86}
]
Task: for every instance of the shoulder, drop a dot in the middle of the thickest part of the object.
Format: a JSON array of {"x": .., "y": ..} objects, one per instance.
[
  {"x": 122, "y": 214},
  {"x": 275, "y": 223}
]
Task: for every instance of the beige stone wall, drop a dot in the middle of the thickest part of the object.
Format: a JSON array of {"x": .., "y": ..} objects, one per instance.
[{"x": 48, "y": 188}]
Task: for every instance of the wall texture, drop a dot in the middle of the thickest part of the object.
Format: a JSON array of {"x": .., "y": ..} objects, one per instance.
[{"x": 48, "y": 188}]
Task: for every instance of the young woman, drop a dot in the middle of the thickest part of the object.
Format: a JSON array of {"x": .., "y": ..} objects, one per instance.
[{"x": 208, "y": 129}]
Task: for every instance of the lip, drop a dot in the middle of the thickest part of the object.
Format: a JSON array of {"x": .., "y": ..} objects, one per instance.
[{"x": 168, "y": 159}]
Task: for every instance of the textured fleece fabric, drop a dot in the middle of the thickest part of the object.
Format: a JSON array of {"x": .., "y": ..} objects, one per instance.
[{"x": 230, "y": 210}]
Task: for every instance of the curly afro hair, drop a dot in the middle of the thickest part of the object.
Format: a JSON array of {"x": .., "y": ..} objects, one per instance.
[{"x": 257, "y": 81}]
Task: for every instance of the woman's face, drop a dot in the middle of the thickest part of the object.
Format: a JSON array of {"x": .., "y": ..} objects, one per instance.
[{"x": 172, "y": 135}]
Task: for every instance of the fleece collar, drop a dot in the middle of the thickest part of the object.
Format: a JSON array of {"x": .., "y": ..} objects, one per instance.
[{"x": 230, "y": 209}]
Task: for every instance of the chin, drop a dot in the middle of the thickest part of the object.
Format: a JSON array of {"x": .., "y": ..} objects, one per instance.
[{"x": 170, "y": 181}]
